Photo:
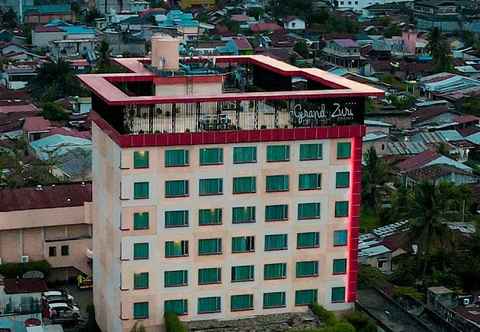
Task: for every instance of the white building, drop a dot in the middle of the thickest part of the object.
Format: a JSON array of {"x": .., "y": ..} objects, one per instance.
[{"x": 358, "y": 5}]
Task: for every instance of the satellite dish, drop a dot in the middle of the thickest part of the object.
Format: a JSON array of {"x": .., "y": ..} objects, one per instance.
[{"x": 33, "y": 275}]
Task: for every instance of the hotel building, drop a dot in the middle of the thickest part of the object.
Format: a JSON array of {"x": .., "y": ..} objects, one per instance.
[{"x": 223, "y": 188}]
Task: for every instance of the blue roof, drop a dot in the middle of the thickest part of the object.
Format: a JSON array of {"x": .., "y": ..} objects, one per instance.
[
  {"x": 77, "y": 29},
  {"x": 58, "y": 145},
  {"x": 48, "y": 9},
  {"x": 178, "y": 18}
]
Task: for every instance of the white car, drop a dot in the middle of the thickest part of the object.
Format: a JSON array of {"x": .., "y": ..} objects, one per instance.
[
  {"x": 55, "y": 293},
  {"x": 63, "y": 312}
]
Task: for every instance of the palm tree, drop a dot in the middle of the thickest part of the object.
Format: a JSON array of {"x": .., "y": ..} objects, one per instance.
[{"x": 375, "y": 175}]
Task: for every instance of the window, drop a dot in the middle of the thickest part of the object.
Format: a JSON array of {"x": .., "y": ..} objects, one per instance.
[
  {"x": 64, "y": 250},
  {"x": 244, "y": 154},
  {"x": 140, "y": 310},
  {"x": 307, "y": 269},
  {"x": 176, "y": 248},
  {"x": 176, "y": 219},
  {"x": 210, "y": 187},
  {"x": 306, "y": 297},
  {"x": 140, "y": 220},
  {"x": 241, "y": 215},
  {"x": 308, "y": 211},
  {"x": 311, "y": 152},
  {"x": 244, "y": 185},
  {"x": 310, "y": 181},
  {"x": 343, "y": 179},
  {"x": 340, "y": 238},
  {"x": 176, "y": 188},
  {"x": 176, "y": 158},
  {"x": 207, "y": 305},
  {"x": 344, "y": 150},
  {"x": 176, "y": 278},
  {"x": 211, "y": 156},
  {"x": 243, "y": 244},
  {"x": 340, "y": 266},
  {"x": 276, "y": 212},
  {"x": 277, "y": 183},
  {"x": 242, "y": 273},
  {"x": 275, "y": 271},
  {"x": 52, "y": 251},
  {"x": 208, "y": 276},
  {"x": 210, "y": 247},
  {"x": 140, "y": 251},
  {"x": 278, "y": 153},
  {"x": 308, "y": 240},
  {"x": 179, "y": 307},
  {"x": 276, "y": 242},
  {"x": 341, "y": 209},
  {"x": 140, "y": 280},
  {"x": 338, "y": 294},
  {"x": 209, "y": 217},
  {"x": 274, "y": 300},
  {"x": 241, "y": 302},
  {"x": 140, "y": 190},
  {"x": 140, "y": 159}
]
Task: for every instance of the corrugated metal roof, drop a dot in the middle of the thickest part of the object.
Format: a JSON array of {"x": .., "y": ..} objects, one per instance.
[
  {"x": 58, "y": 145},
  {"x": 406, "y": 148}
]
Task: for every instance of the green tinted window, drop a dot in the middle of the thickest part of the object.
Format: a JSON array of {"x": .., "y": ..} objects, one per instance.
[
  {"x": 310, "y": 181},
  {"x": 343, "y": 179},
  {"x": 308, "y": 211},
  {"x": 278, "y": 153},
  {"x": 211, "y": 156},
  {"x": 176, "y": 188},
  {"x": 311, "y": 152},
  {"x": 306, "y": 297},
  {"x": 176, "y": 158},
  {"x": 140, "y": 220},
  {"x": 140, "y": 280},
  {"x": 176, "y": 219},
  {"x": 140, "y": 159},
  {"x": 244, "y": 185},
  {"x": 140, "y": 190},
  {"x": 210, "y": 247},
  {"x": 340, "y": 238},
  {"x": 275, "y": 271},
  {"x": 308, "y": 240},
  {"x": 276, "y": 242},
  {"x": 210, "y": 187},
  {"x": 276, "y": 212},
  {"x": 307, "y": 269},
  {"x": 341, "y": 209},
  {"x": 340, "y": 266},
  {"x": 207, "y": 305},
  {"x": 277, "y": 183},
  {"x": 140, "y": 310},
  {"x": 176, "y": 278},
  {"x": 140, "y": 251},
  {"x": 241, "y": 302},
  {"x": 179, "y": 307},
  {"x": 242, "y": 273},
  {"x": 209, "y": 217},
  {"x": 244, "y": 154},
  {"x": 243, "y": 244},
  {"x": 338, "y": 294},
  {"x": 176, "y": 248},
  {"x": 344, "y": 150},
  {"x": 209, "y": 276},
  {"x": 242, "y": 215},
  {"x": 274, "y": 300}
]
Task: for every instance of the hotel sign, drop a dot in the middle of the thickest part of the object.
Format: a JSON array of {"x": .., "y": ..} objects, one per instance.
[{"x": 327, "y": 112}]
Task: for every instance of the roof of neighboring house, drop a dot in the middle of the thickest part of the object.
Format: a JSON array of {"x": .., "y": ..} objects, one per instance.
[
  {"x": 58, "y": 145},
  {"x": 374, "y": 136},
  {"x": 48, "y": 9},
  {"x": 242, "y": 43},
  {"x": 239, "y": 18},
  {"x": 36, "y": 123},
  {"x": 25, "y": 108},
  {"x": 429, "y": 113},
  {"x": 462, "y": 119},
  {"x": 434, "y": 172},
  {"x": 70, "y": 132},
  {"x": 42, "y": 28},
  {"x": 263, "y": 27},
  {"x": 347, "y": 43},
  {"x": 46, "y": 197},
  {"x": 20, "y": 286},
  {"x": 468, "y": 131},
  {"x": 279, "y": 53},
  {"x": 291, "y": 18},
  {"x": 406, "y": 148},
  {"x": 376, "y": 123},
  {"x": 474, "y": 138},
  {"x": 418, "y": 160}
]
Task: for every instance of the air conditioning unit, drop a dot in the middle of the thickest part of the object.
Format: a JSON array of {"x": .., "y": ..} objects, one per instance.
[{"x": 24, "y": 259}]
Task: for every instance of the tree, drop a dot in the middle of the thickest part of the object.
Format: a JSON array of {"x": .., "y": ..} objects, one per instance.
[
  {"x": 360, "y": 321},
  {"x": 91, "y": 15},
  {"x": 103, "y": 59},
  {"x": 9, "y": 19},
  {"x": 53, "y": 111},
  {"x": 439, "y": 50},
  {"x": 375, "y": 175},
  {"x": 301, "y": 48},
  {"x": 256, "y": 12}
]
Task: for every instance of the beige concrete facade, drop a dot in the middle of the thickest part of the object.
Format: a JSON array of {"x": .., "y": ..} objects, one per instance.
[{"x": 114, "y": 266}]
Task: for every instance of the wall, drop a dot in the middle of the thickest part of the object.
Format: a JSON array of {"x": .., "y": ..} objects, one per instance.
[{"x": 43, "y": 39}]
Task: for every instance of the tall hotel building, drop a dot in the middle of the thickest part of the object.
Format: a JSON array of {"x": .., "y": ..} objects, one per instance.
[{"x": 223, "y": 187}]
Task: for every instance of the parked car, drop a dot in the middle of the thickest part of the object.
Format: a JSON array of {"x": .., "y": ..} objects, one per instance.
[
  {"x": 63, "y": 312},
  {"x": 57, "y": 296}
]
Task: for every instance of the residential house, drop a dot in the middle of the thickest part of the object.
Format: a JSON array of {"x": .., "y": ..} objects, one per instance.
[
  {"x": 42, "y": 14},
  {"x": 359, "y": 5},
  {"x": 265, "y": 27},
  {"x": 439, "y": 173},
  {"x": 185, "y": 4},
  {"x": 36, "y": 127},
  {"x": 377, "y": 140},
  {"x": 445, "y": 15},
  {"x": 236, "y": 46},
  {"x": 429, "y": 158},
  {"x": 343, "y": 52},
  {"x": 293, "y": 23},
  {"x": 48, "y": 223},
  {"x": 11, "y": 115}
]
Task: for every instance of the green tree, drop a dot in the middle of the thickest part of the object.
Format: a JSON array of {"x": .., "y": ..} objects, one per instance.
[
  {"x": 439, "y": 50},
  {"x": 9, "y": 19},
  {"x": 301, "y": 48},
  {"x": 173, "y": 324},
  {"x": 103, "y": 59},
  {"x": 360, "y": 321},
  {"x": 375, "y": 175},
  {"x": 256, "y": 12},
  {"x": 53, "y": 111},
  {"x": 91, "y": 15}
]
